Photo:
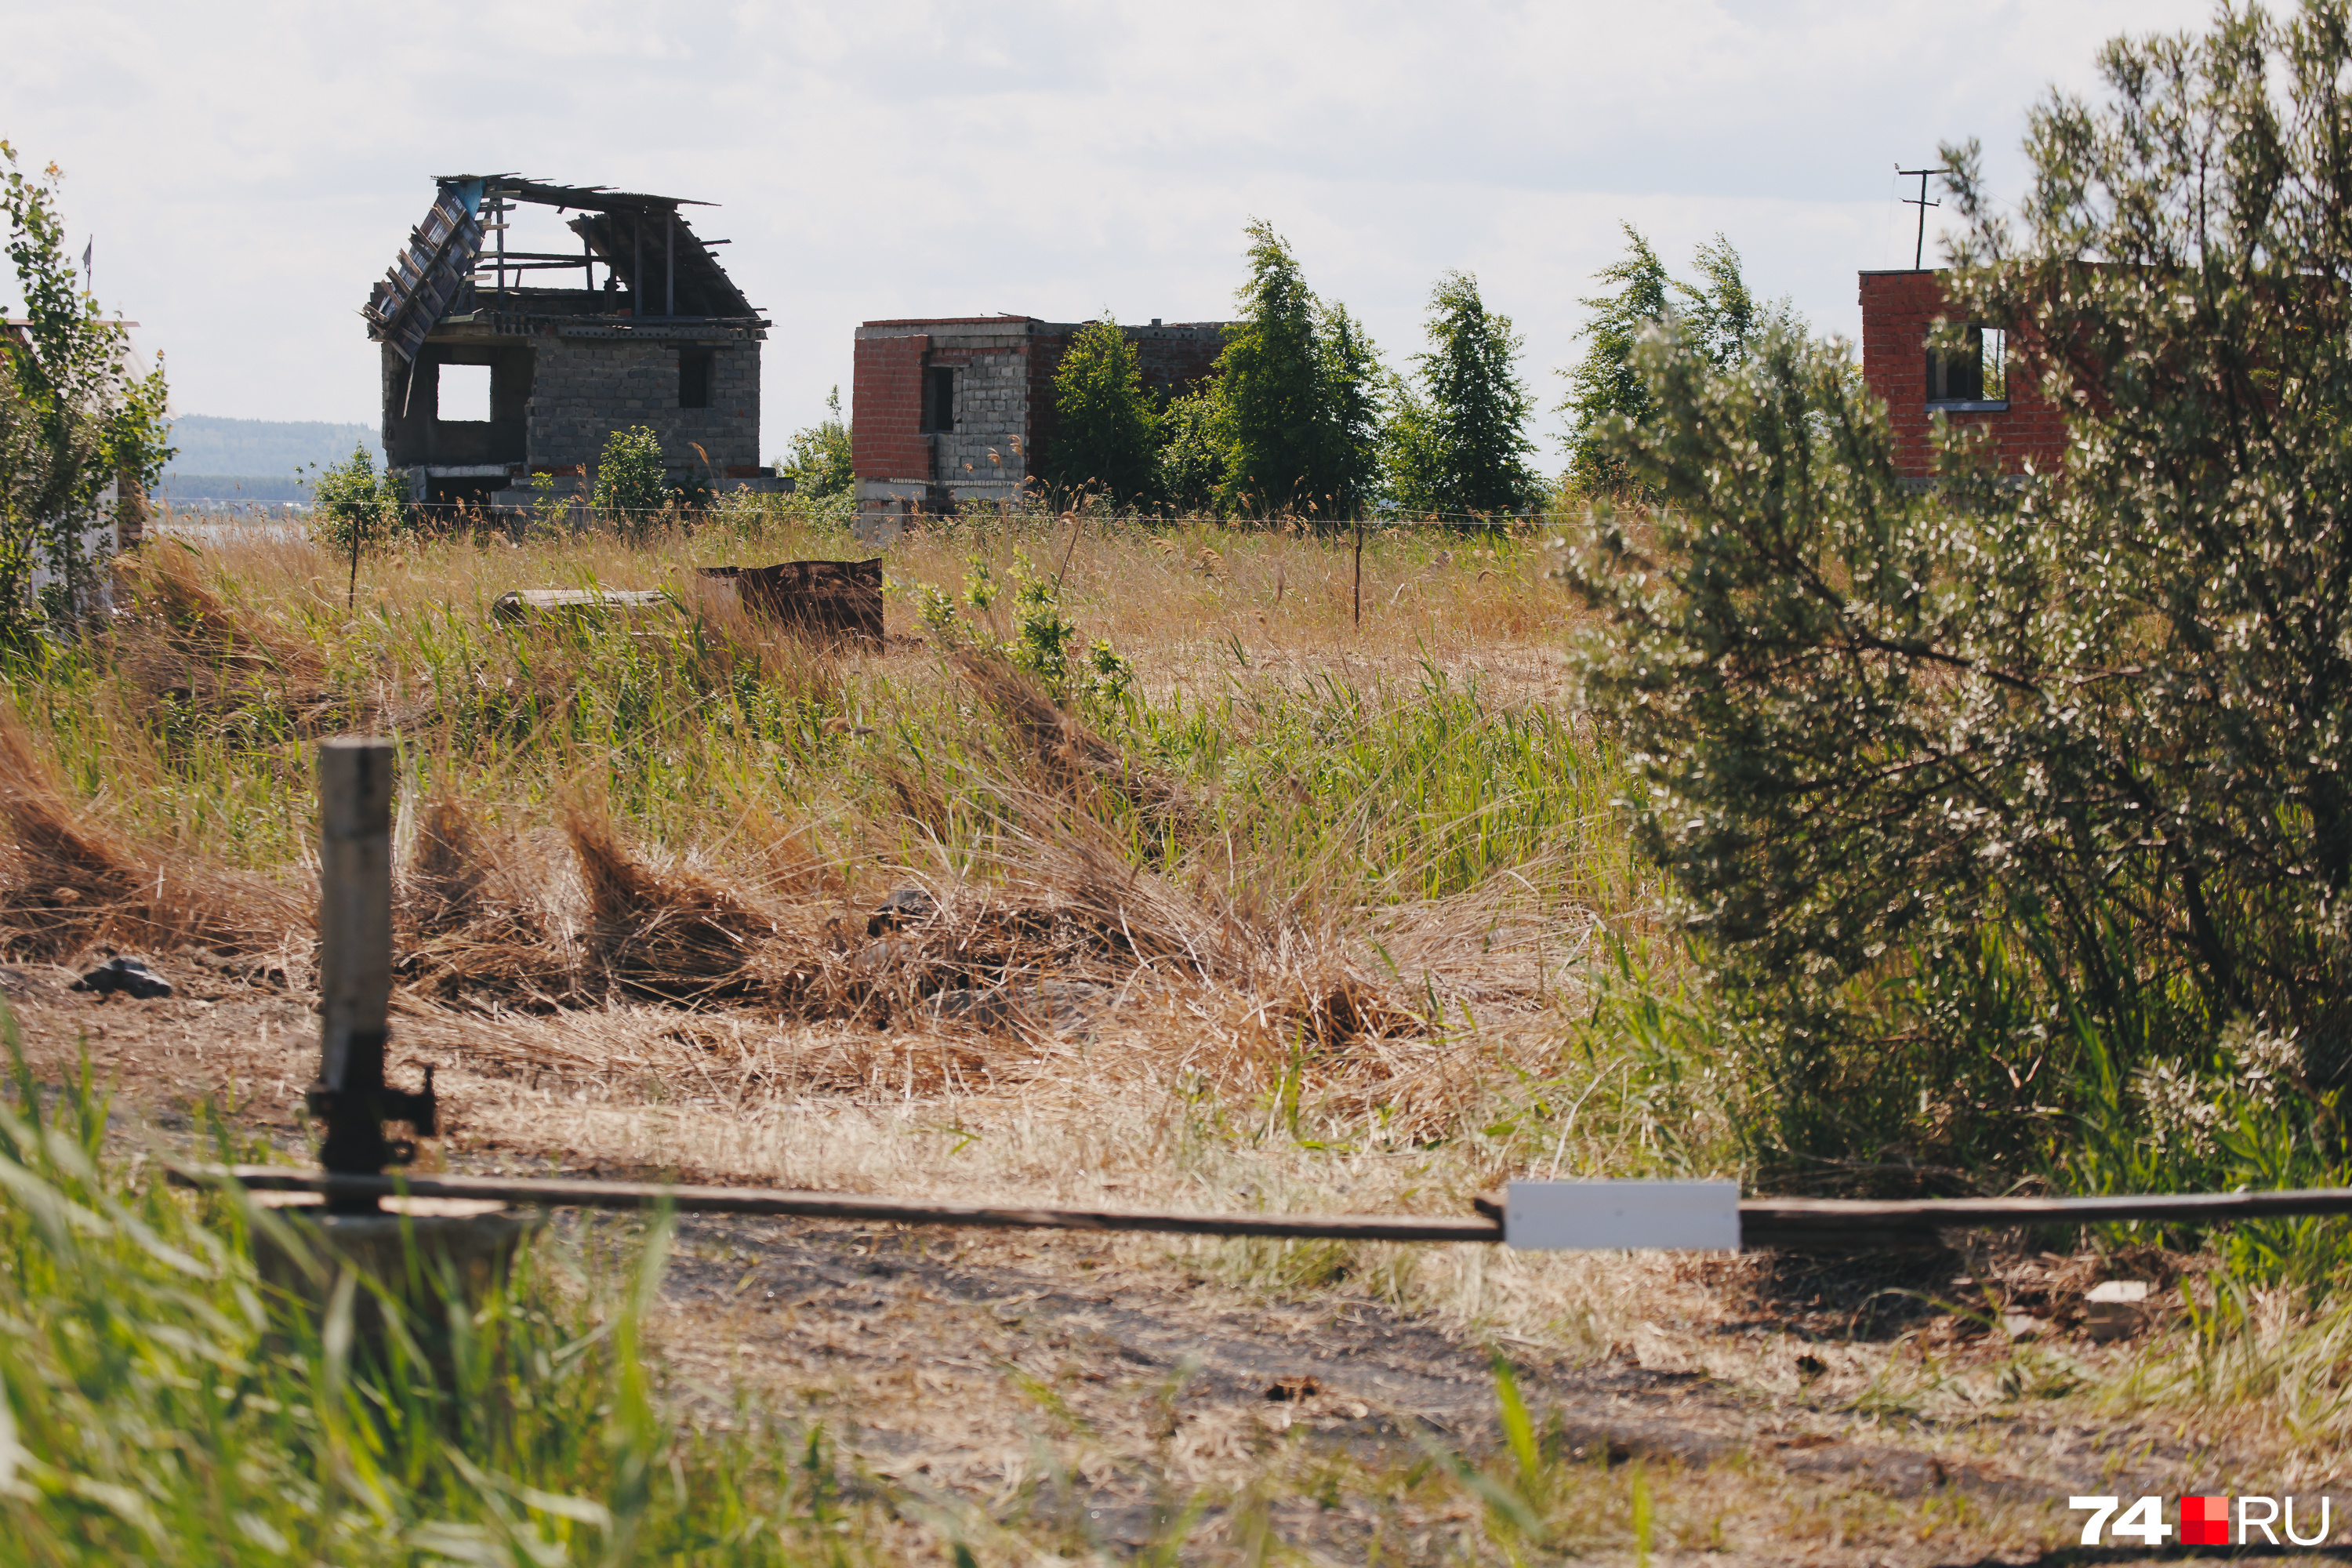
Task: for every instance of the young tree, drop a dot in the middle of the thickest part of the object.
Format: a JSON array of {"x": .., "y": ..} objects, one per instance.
[
  {"x": 631, "y": 481},
  {"x": 1721, "y": 317},
  {"x": 1460, "y": 441},
  {"x": 1348, "y": 415},
  {"x": 820, "y": 461},
  {"x": 1105, "y": 431},
  {"x": 1272, "y": 376},
  {"x": 1986, "y": 797},
  {"x": 1301, "y": 386},
  {"x": 73, "y": 418},
  {"x": 1193, "y": 448}
]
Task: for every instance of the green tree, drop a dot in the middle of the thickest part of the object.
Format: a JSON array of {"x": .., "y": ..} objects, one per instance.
[
  {"x": 631, "y": 481},
  {"x": 1105, "y": 431},
  {"x": 1273, "y": 383},
  {"x": 820, "y": 463},
  {"x": 1300, "y": 392},
  {"x": 73, "y": 418},
  {"x": 1720, "y": 315},
  {"x": 1459, "y": 442},
  {"x": 1351, "y": 412},
  {"x": 1193, "y": 448},
  {"x": 353, "y": 504},
  {"x": 1986, "y": 797}
]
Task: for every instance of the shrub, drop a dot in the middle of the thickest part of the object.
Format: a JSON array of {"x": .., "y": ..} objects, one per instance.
[
  {"x": 820, "y": 465},
  {"x": 1193, "y": 448},
  {"x": 631, "y": 482},
  {"x": 1968, "y": 791}
]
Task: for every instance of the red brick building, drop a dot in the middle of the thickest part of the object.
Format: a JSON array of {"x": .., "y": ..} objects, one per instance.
[
  {"x": 1993, "y": 387},
  {"x": 961, "y": 407}
]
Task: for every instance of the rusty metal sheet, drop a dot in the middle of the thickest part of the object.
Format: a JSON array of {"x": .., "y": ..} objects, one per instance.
[{"x": 834, "y": 599}]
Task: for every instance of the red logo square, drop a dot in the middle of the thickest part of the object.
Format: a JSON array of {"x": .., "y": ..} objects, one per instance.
[{"x": 2204, "y": 1521}]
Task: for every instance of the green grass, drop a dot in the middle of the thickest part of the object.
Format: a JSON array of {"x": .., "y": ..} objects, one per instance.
[{"x": 166, "y": 1406}]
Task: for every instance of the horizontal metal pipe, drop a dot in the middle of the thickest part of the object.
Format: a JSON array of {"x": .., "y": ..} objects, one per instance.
[
  {"x": 836, "y": 1206},
  {"x": 1763, "y": 1222}
]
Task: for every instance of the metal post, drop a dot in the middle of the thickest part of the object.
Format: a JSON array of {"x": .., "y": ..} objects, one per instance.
[
  {"x": 357, "y": 777},
  {"x": 1359, "y": 568},
  {"x": 1920, "y": 250}
]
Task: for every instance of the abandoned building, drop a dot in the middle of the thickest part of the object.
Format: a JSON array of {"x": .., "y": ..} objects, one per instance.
[
  {"x": 1991, "y": 386},
  {"x": 640, "y": 326},
  {"x": 961, "y": 408}
]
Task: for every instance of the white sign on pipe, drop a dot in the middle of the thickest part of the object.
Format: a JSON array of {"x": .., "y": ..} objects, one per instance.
[{"x": 1682, "y": 1216}]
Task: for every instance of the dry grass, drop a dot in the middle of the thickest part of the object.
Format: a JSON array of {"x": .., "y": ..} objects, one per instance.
[{"x": 1216, "y": 956}]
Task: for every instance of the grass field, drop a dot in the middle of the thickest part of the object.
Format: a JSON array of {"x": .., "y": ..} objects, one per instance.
[{"x": 1292, "y": 912}]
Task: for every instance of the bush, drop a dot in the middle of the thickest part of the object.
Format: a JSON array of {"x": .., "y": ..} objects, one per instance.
[
  {"x": 1193, "y": 448},
  {"x": 1969, "y": 792},
  {"x": 820, "y": 465},
  {"x": 631, "y": 481}
]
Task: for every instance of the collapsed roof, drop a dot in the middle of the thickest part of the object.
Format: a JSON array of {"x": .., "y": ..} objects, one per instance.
[{"x": 456, "y": 261}]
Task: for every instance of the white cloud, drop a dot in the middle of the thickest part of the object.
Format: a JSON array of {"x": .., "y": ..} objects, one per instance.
[{"x": 248, "y": 171}]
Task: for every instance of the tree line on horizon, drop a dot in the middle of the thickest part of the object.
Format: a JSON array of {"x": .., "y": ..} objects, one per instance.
[{"x": 1302, "y": 417}]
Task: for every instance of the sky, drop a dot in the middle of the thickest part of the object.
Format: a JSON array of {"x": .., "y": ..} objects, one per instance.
[{"x": 246, "y": 172}]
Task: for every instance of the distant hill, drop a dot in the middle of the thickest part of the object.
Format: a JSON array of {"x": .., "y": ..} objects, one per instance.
[
  {"x": 235, "y": 461},
  {"x": 272, "y": 447}
]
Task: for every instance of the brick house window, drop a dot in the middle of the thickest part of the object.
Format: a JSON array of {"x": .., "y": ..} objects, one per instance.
[
  {"x": 939, "y": 399},
  {"x": 1975, "y": 378},
  {"x": 694, "y": 377}
]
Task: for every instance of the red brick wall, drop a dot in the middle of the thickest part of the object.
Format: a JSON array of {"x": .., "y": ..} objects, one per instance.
[
  {"x": 1045, "y": 352},
  {"x": 1898, "y": 310},
  {"x": 886, "y": 409},
  {"x": 886, "y": 395},
  {"x": 1171, "y": 363}
]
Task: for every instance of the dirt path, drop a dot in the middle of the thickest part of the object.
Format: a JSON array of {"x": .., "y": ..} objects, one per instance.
[
  {"x": 1102, "y": 1395},
  {"x": 1048, "y": 1379}
]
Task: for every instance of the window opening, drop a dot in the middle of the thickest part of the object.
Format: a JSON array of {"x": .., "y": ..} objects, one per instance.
[
  {"x": 1979, "y": 374},
  {"x": 694, "y": 377},
  {"x": 939, "y": 399},
  {"x": 462, "y": 394}
]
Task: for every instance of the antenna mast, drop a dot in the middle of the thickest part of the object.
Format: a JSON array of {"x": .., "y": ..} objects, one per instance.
[{"x": 1920, "y": 251}]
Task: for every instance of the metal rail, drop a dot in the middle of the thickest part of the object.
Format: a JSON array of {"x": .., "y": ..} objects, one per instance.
[{"x": 1793, "y": 1223}]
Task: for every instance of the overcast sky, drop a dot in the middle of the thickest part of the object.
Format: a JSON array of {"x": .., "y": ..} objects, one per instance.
[{"x": 247, "y": 170}]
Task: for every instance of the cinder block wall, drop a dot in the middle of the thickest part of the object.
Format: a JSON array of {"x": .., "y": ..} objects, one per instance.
[
  {"x": 586, "y": 388},
  {"x": 988, "y": 452},
  {"x": 1899, "y": 309}
]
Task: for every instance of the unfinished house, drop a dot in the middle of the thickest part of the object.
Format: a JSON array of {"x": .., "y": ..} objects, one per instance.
[
  {"x": 1989, "y": 386},
  {"x": 502, "y": 362},
  {"x": 961, "y": 407}
]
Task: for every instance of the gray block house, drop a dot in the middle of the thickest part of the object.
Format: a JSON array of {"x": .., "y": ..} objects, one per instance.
[{"x": 639, "y": 326}]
